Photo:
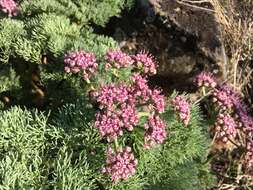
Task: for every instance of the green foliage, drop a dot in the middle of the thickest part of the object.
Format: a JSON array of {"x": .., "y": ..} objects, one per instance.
[
  {"x": 9, "y": 79},
  {"x": 48, "y": 34},
  {"x": 38, "y": 155},
  {"x": 184, "y": 149},
  {"x": 188, "y": 176},
  {"x": 83, "y": 11},
  {"x": 46, "y": 29},
  {"x": 10, "y": 30},
  {"x": 64, "y": 151}
]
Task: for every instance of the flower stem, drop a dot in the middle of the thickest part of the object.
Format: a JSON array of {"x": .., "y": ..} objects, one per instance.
[
  {"x": 115, "y": 73},
  {"x": 234, "y": 143},
  {"x": 141, "y": 114},
  {"x": 203, "y": 91},
  {"x": 116, "y": 143},
  {"x": 88, "y": 81}
]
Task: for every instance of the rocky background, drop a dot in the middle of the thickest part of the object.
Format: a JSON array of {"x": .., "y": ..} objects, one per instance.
[{"x": 185, "y": 40}]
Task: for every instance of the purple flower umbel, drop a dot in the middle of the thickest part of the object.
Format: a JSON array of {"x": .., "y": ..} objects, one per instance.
[
  {"x": 146, "y": 62},
  {"x": 117, "y": 110},
  {"x": 223, "y": 98},
  {"x": 155, "y": 131},
  {"x": 120, "y": 164},
  {"x": 225, "y": 127},
  {"x": 81, "y": 61},
  {"x": 117, "y": 59},
  {"x": 205, "y": 79},
  {"x": 249, "y": 154},
  {"x": 109, "y": 125},
  {"x": 9, "y": 7},
  {"x": 183, "y": 108}
]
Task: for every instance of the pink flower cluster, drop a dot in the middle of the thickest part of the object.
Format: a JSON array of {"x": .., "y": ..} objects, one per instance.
[
  {"x": 242, "y": 113},
  {"x": 122, "y": 103},
  {"x": 246, "y": 122},
  {"x": 249, "y": 154},
  {"x": 205, "y": 79},
  {"x": 120, "y": 164},
  {"x": 146, "y": 62},
  {"x": 239, "y": 104},
  {"x": 109, "y": 125},
  {"x": 229, "y": 100},
  {"x": 158, "y": 100},
  {"x": 81, "y": 61},
  {"x": 225, "y": 127},
  {"x": 117, "y": 59},
  {"x": 229, "y": 104},
  {"x": 9, "y": 7},
  {"x": 129, "y": 116},
  {"x": 111, "y": 95},
  {"x": 155, "y": 131},
  {"x": 119, "y": 103},
  {"x": 140, "y": 88},
  {"x": 182, "y": 107},
  {"x": 223, "y": 97},
  {"x": 117, "y": 112},
  {"x": 233, "y": 115},
  {"x": 144, "y": 95}
]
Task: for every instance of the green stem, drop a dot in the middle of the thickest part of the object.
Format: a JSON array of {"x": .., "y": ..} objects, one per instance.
[
  {"x": 203, "y": 91},
  {"x": 92, "y": 87},
  {"x": 116, "y": 143},
  {"x": 141, "y": 114},
  {"x": 88, "y": 81},
  {"x": 115, "y": 73}
]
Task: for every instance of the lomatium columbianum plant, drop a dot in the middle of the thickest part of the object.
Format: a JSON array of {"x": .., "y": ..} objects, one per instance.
[{"x": 126, "y": 104}]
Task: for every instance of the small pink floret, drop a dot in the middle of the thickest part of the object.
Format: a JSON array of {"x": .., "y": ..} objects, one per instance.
[
  {"x": 182, "y": 107},
  {"x": 155, "y": 131},
  {"x": 117, "y": 59},
  {"x": 81, "y": 61},
  {"x": 146, "y": 62},
  {"x": 225, "y": 127},
  {"x": 9, "y": 7},
  {"x": 120, "y": 165},
  {"x": 205, "y": 79}
]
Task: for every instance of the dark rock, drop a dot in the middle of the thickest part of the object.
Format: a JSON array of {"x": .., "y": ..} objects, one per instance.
[
  {"x": 176, "y": 53},
  {"x": 194, "y": 21},
  {"x": 181, "y": 50}
]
